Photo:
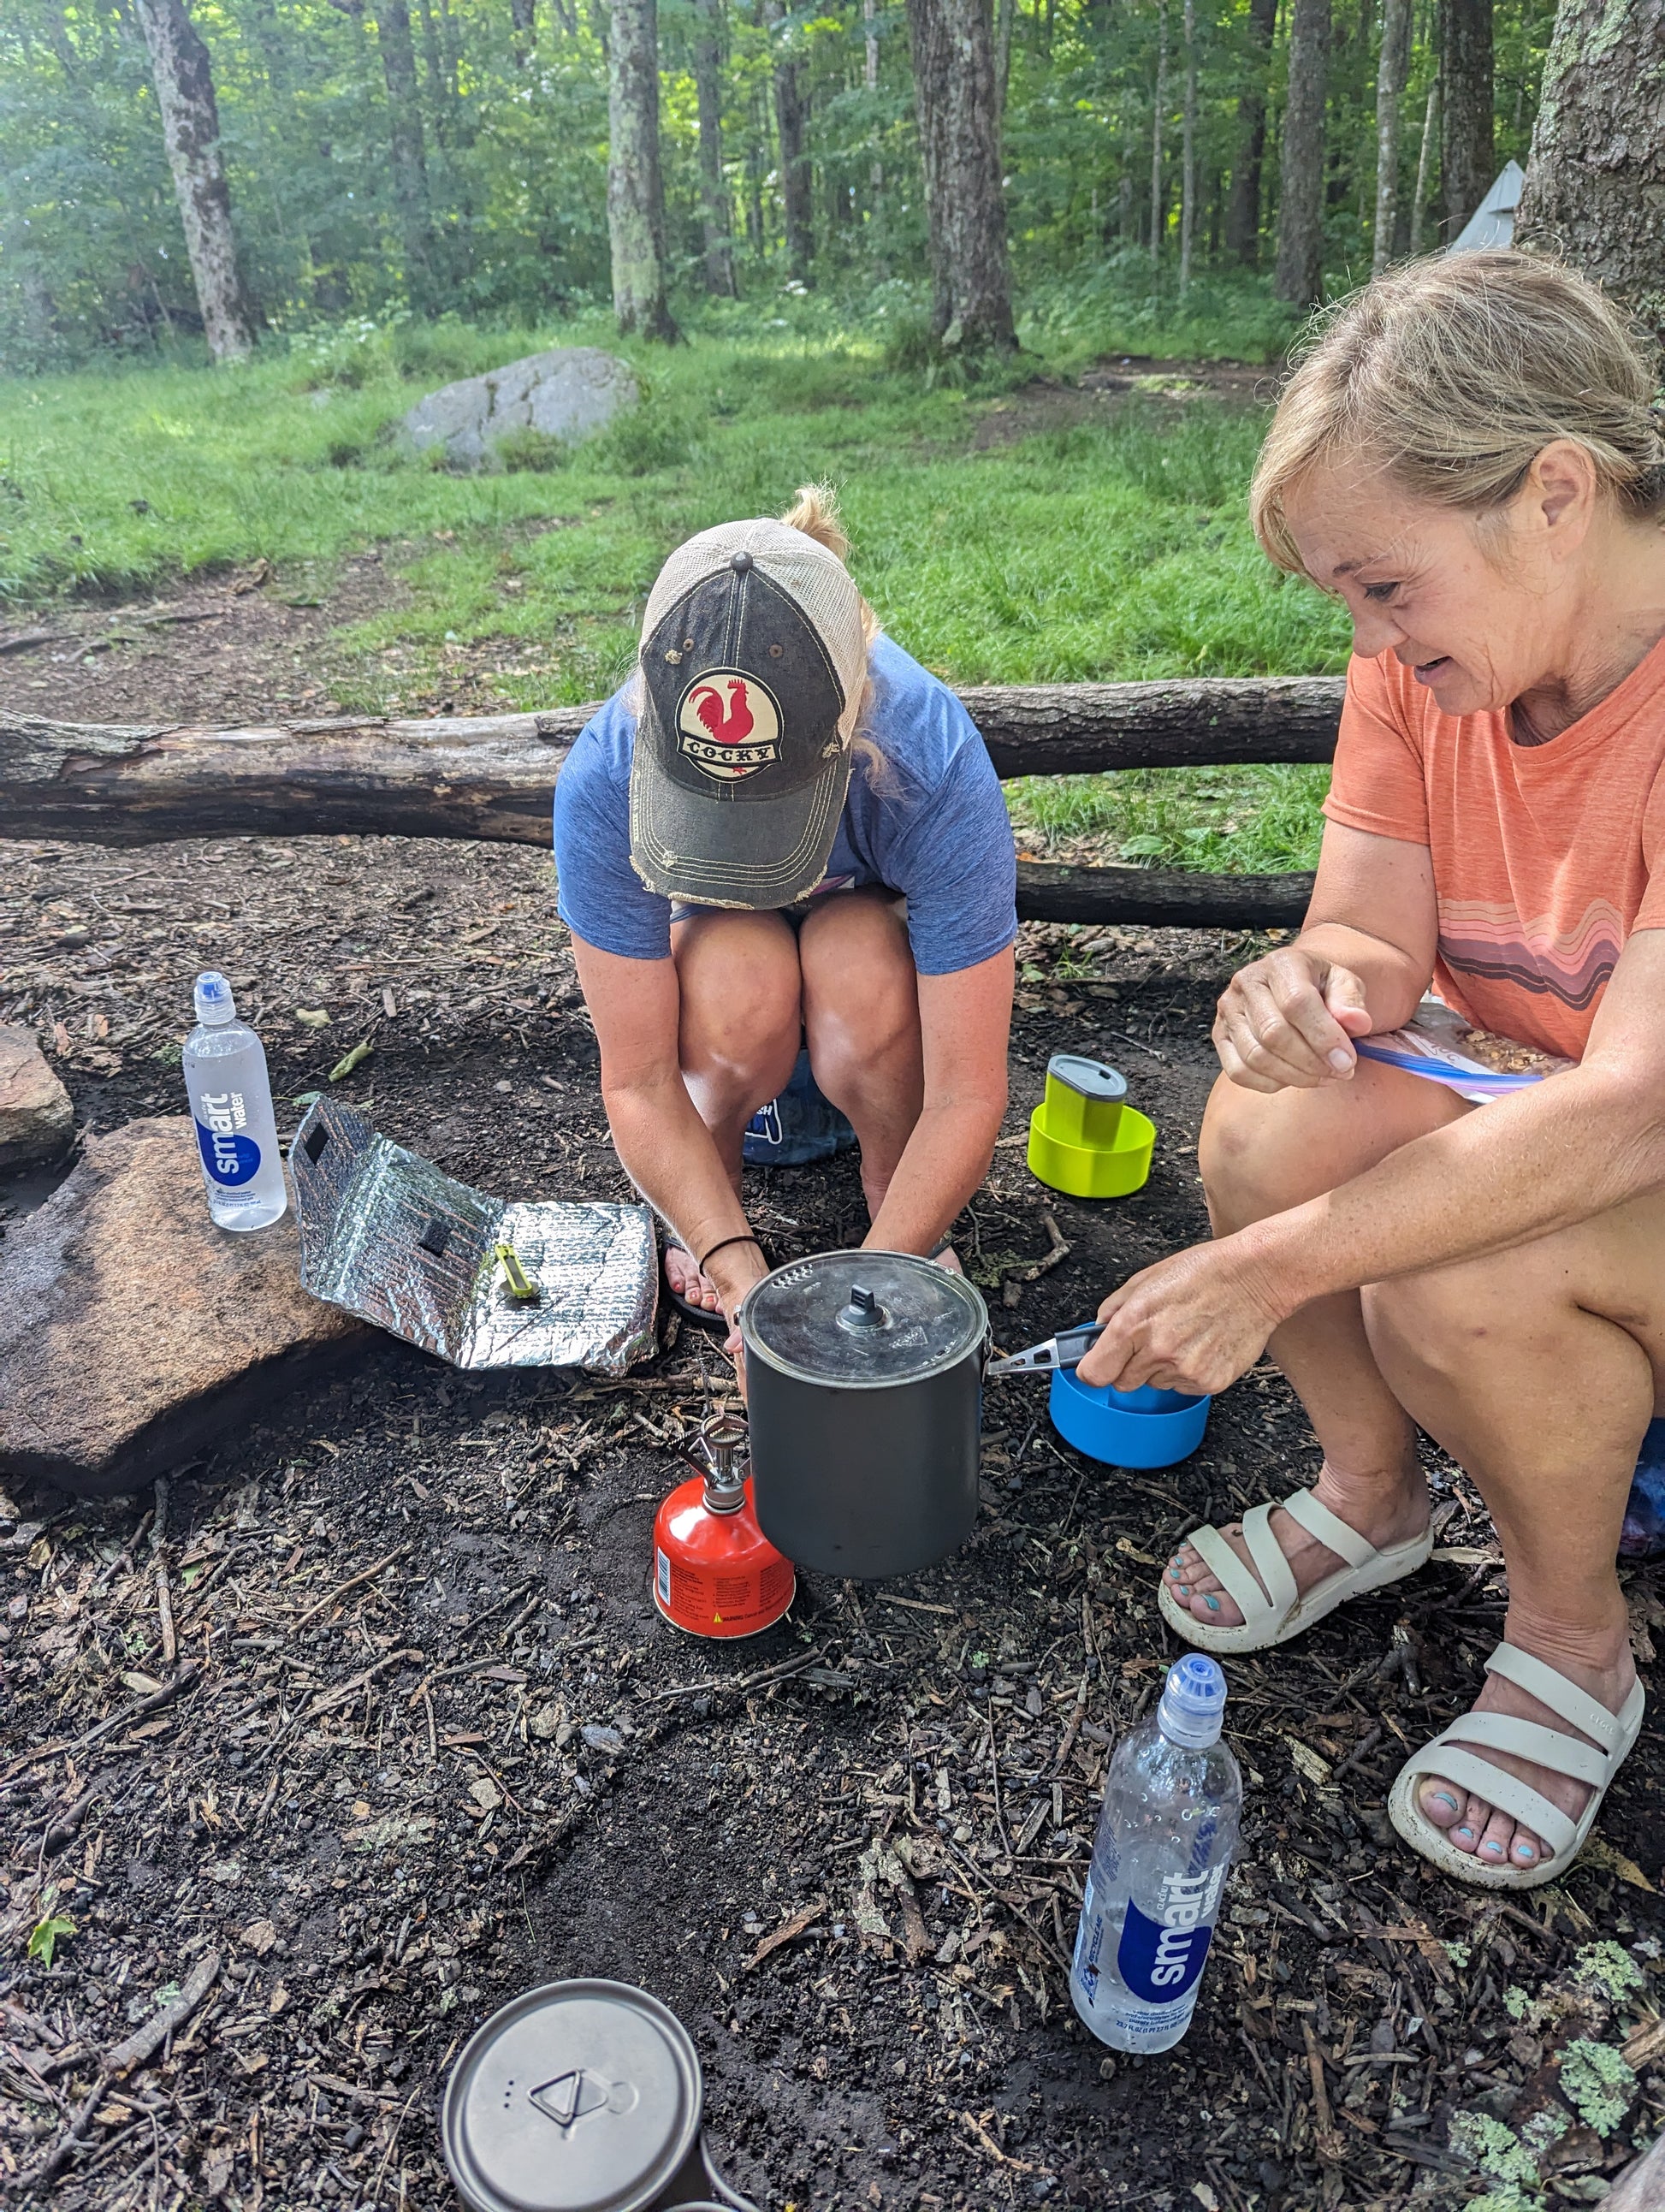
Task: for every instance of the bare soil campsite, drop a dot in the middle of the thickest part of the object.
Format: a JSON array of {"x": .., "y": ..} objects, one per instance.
[{"x": 362, "y": 1720}]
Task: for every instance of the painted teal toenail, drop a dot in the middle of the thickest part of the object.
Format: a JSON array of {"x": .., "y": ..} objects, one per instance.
[
  {"x": 1465, "y": 1830},
  {"x": 1184, "y": 1589},
  {"x": 1496, "y": 1849},
  {"x": 1525, "y": 1851},
  {"x": 1444, "y": 1797},
  {"x": 1213, "y": 1603}
]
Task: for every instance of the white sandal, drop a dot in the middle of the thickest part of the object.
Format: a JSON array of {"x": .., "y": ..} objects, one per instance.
[
  {"x": 1273, "y": 1613},
  {"x": 1449, "y": 1757}
]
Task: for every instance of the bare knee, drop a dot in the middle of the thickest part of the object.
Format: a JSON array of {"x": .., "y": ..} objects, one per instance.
[
  {"x": 1260, "y": 1153},
  {"x": 861, "y": 996},
  {"x": 741, "y": 993}
]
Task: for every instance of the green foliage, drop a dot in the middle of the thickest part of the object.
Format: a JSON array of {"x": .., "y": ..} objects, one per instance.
[
  {"x": 1117, "y": 548},
  {"x": 1230, "y": 820},
  {"x": 1514, "y": 2162},
  {"x": 51, "y": 1929},
  {"x": 1125, "y": 305},
  {"x": 533, "y": 450},
  {"x": 513, "y": 132},
  {"x": 1599, "y": 2084},
  {"x": 1608, "y": 1970}
]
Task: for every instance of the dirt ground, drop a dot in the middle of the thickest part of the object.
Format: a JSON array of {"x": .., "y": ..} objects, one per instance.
[{"x": 415, "y": 1738}]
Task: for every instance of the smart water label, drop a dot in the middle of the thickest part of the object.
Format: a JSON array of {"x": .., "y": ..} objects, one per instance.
[
  {"x": 1160, "y": 1960},
  {"x": 229, "y": 1157}
]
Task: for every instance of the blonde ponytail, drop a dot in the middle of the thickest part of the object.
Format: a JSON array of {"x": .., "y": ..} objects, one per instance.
[{"x": 814, "y": 510}]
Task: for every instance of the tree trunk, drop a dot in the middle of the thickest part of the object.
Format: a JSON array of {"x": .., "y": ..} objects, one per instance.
[
  {"x": 959, "y": 128},
  {"x": 792, "y": 119},
  {"x": 1424, "y": 163},
  {"x": 1158, "y": 112},
  {"x": 875, "y": 167},
  {"x": 1300, "y": 273},
  {"x": 1595, "y": 177},
  {"x": 1187, "y": 190},
  {"x": 409, "y": 156},
  {"x": 1389, "y": 84},
  {"x": 713, "y": 192},
  {"x": 1243, "y": 221},
  {"x": 523, "y": 16},
  {"x": 191, "y": 131},
  {"x": 1465, "y": 158},
  {"x": 1003, "y": 21},
  {"x": 636, "y": 191}
]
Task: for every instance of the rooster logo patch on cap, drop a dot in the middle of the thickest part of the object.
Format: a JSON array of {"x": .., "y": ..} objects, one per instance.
[{"x": 728, "y": 725}]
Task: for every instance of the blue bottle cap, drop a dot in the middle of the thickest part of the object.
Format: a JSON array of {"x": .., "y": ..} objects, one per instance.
[
  {"x": 214, "y": 1003},
  {"x": 1193, "y": 1702}
]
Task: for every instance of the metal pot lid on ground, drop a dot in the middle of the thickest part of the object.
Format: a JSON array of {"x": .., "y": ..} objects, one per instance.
[
  {"x": 863, "y": 1320},
  {"x": 582, "y": 2096}
]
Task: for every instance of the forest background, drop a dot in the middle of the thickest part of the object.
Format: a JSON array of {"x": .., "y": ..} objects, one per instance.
[{"x": 346, "y": 201}]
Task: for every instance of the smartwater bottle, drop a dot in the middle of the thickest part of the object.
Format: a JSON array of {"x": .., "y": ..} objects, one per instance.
[
  {"x": 1166, "y": 1834},
  {"x": 230, "y": 1095}
]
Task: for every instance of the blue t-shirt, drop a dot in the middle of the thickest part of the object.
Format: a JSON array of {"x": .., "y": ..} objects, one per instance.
[{"x": 940, "y": 835}]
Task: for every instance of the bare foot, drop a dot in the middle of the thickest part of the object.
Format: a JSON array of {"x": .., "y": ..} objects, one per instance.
[
  {"x": 1385, "y": 1509},
  {"x": 685, "y": 1279},
  {"x": 1497, "y": 1839}
]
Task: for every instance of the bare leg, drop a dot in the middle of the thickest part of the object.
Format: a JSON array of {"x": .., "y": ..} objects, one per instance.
[
  {"x": 1538, "y": 1369},
  {"x": 741, "y": 1022},
  {"x": 861, "y": 1018},
  {"x": 1259, "y": 1155}
]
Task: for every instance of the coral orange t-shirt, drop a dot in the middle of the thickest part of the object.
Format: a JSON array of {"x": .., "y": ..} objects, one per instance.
[{"x": 1545, "y": 857}]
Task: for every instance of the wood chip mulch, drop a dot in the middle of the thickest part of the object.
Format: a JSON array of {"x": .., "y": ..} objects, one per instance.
[{"x": 317, "y": 1751}]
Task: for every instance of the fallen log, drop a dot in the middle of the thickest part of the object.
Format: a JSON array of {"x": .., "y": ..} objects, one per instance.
[
  {"x": 1163, "y": 898},
  {"x": 492, "y": 777}
]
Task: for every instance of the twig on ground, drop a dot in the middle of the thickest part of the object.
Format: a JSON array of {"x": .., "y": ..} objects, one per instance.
[
  {"x": 365, "y": 1575},
  {"x": 186, "y": 1677},
  {"x": 156, "y": 2030}
]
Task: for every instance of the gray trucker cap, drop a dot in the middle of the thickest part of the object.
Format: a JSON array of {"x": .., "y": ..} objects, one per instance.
[{"x": 753, "y": 668}]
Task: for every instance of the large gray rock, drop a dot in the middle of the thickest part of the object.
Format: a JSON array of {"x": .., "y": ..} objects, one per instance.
[
  {"x": 567, "y": 393},
  {"x": 133, "y": 1333},
  {"x": 36, "y": 1118}
]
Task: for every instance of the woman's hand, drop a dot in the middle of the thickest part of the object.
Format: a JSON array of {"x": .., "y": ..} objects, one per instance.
[
  {"x": 1287, "y": 1022},
  {"x": 735, "y": 1272},
  {"x": 1193, "y": 1322}
]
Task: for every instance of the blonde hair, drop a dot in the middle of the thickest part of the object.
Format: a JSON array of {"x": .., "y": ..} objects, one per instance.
[
  {"x": 1450, "y": 375},
  {"x": 814, "y": 510}
]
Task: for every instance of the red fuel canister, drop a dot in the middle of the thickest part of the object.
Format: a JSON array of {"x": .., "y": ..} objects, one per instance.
[{"x": 716, "y": 1573}]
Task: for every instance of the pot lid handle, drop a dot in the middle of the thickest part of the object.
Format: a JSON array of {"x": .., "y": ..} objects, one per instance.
[{"x": 864, "y": 1311}]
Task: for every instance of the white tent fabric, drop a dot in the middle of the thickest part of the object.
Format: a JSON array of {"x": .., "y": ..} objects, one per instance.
[{"x": 1492, "y": 222}]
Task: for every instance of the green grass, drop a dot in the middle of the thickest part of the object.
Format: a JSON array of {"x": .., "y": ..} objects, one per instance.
[{"x": 1117, "y": 548}]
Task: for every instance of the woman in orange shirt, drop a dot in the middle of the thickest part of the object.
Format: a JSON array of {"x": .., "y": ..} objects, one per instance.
[{"x": 1468, "y": 459}]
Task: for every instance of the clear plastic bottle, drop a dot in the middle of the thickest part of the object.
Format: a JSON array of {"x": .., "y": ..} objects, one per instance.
[
  {"x": 230, "y": 1095},
  {"x": 1169, "y": 1827}
]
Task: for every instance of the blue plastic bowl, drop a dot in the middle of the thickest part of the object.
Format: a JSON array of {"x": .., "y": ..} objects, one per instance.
[{"x": 1126, "y": 1428}]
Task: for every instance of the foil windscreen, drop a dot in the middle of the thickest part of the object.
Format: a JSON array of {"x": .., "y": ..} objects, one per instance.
[{"x": 384, "y": 1235}]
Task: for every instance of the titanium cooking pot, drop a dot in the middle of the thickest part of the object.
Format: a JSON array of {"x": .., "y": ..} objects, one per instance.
[
  {"x": 582, "y": 2096},
  {"x": 864, "y": 1389}
]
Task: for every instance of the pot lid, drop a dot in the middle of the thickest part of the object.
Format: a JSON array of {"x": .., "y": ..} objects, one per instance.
[
  {"x": 862, "y": 1320},
  {"x": 580, "y": 2096}
]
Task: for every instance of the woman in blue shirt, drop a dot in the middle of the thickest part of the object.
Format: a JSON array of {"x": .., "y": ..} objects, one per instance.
[{"x": 784, "y": 833}]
